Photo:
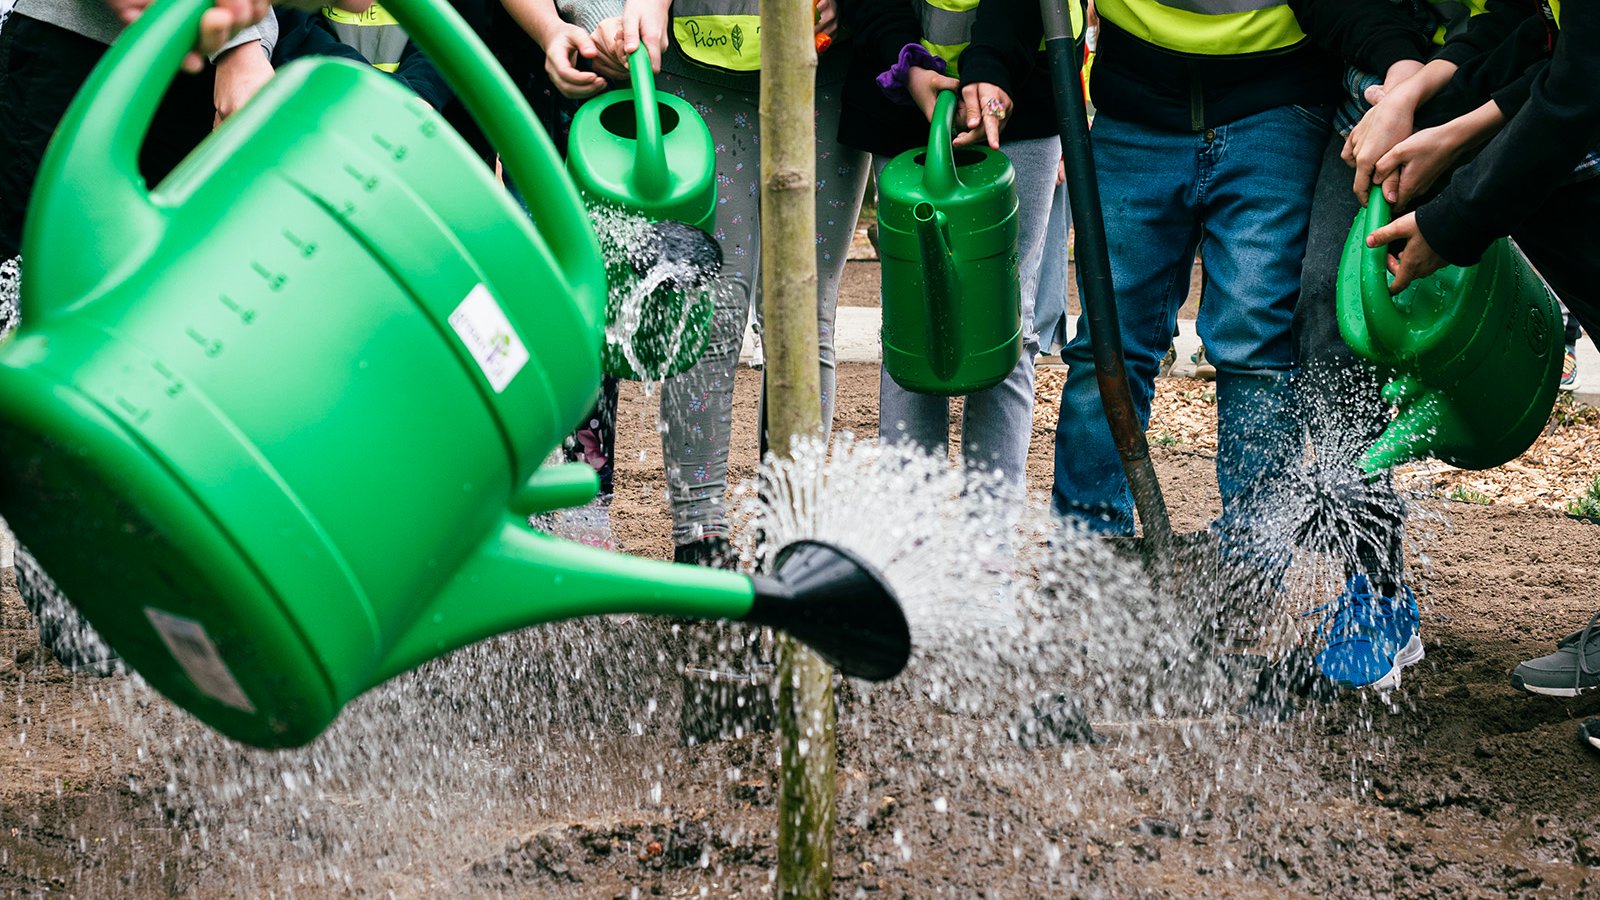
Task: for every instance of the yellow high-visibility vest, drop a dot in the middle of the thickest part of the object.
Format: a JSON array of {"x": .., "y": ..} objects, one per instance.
[
  {"x": 725, "y": 34},
  {"x": 1207, "y": 27},
  {"x": 374, "y": 34},
  {"x": 1455, "y": 14},
  {"x": 947, "y": 27}
]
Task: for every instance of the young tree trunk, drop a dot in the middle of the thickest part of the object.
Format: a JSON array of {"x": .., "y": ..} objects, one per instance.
[{"x": 794, "y": 409}]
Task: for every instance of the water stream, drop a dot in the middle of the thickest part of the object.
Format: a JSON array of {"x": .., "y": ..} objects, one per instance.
[{"x": 1048, "y": 665}]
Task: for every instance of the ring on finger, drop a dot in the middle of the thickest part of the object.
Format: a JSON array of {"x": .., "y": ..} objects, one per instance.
[{"x": 995, "y": 108}]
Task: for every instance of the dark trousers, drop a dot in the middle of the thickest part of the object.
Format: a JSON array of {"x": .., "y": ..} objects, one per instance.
[
  {"x": 1339, "y": 396},
  {"x": 41, "y": 68}
]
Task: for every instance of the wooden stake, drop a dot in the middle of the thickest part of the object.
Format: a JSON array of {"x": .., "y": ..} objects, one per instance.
[{"x": 794, "y": 409}]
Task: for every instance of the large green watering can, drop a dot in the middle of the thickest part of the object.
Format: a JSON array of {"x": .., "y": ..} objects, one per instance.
[
  {"x": 276, "y": 426},
  {"x": 1475, "y": 351},
  {"x": 947, "y": 239},
  {"x": 650, "y": 155}
]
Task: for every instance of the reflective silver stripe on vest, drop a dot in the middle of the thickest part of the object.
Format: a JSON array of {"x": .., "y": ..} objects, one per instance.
[
  {"x": 382, "y": 45},
  {"x": 1221, "y": 7},
  {"x": 1452, "y": 15},
  {"x": 686, "y": 8},
  {"x": 946, "y": 27}
]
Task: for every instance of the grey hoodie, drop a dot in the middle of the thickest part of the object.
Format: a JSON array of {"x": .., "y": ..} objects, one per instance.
[{"x": 95, "y": 21}]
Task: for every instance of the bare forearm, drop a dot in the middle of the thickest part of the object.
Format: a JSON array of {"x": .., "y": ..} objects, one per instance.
[
  {"x": 1475, "y": 128},
  {"x": 536, "y": 17}
]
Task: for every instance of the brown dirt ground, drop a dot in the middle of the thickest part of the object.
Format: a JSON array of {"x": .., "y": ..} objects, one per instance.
[{"x": 1458, "y": 787}]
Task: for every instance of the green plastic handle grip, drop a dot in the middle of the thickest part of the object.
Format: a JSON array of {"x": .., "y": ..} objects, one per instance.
[
  {"x": 117, "y": 106},
  {"x": 939, "y": 177},
  {"x": 1386, "y": 312},
  {"x": 650, "y": 175}
]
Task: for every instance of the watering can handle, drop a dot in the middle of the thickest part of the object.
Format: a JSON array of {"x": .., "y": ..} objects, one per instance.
[
  {"x": 650, "y": 175},
  {"x": 1384, "y": 310},
  {"x": 939, "y": 177},
  {"x": 115, "y": 108}
]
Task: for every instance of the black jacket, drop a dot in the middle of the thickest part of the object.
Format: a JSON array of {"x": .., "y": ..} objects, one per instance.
[
  {"x": 1548, "y": 134},
  {"x": 307, "y": 34},
  {"x": 1004, "y": 52}
]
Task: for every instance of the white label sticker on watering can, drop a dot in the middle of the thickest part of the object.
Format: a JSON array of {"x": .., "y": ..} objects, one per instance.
[
  {"x": 189, "y": 644},
  {"x": 482, "y": 325}
]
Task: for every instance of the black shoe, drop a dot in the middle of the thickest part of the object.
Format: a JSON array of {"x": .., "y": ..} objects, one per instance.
[
  {"x": 1053, "y": 720},
  {"x": 1278, "y": 687},
  {"x": 1589, "y": 734},
  {"x": 728, "y": 668},
  {"x": 711, "y": 552}
]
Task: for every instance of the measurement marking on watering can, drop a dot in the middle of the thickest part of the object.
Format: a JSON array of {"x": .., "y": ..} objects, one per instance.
[
  {"x": 212, "y": 348},
  {"x": 398, "y": 151},
  {"x": 367, "y": 182},
  {"x": 307, "y": 248},
  {"x": 174, "y": 386},
  {"x": 135, "y": 412},
  {"x": 275, "y": 280},
  {"x": 245, "y": 314}
]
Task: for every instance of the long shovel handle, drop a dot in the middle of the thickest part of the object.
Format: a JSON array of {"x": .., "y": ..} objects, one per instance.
[{"x": 1094, "y": 262}]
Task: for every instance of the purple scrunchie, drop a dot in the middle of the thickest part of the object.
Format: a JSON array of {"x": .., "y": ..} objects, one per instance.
[{"x": 896, "y": 80}]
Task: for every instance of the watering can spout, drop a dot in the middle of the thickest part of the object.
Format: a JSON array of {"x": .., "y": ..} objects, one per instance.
[
  {"x": 1422, "y": 415},
  {"x": 822, "y": 595},
  {"x": 941, "y": 289},
  {"x": 838, "y": 606},
  {"x": 1475, "y": 350}
]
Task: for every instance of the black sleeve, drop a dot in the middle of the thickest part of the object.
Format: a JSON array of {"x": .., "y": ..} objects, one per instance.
[
  {"x": 1005, "y": 44},
  {"x": 1505, "y": 72},
  {"x": 1521, "y": 167},
  {"x": 417, "y": 72},
  {"x": 1487, "y": 30},
  {"x": 878, "y": 29},
  {"x": 1371, "y": 35}
]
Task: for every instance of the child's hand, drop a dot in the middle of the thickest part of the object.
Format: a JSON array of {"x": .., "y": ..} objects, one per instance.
[
  {"x": 985, "y": 107},
  {"x": 1416, "y": 260},
  {"x": 827, "y": 18},
  {"x": 925, "y": 85},
  {"x": 217, "y": 26},
  {"x": 241, "y": 71},
  {"x": 565, "y": 45},
  {"x": 1415, "y": 163},
  {"x": 612, "y": 61},
  {"x": 645, "y": 22}
]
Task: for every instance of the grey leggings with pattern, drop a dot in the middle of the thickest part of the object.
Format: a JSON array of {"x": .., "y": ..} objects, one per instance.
[{"x": 697, "y": 406}]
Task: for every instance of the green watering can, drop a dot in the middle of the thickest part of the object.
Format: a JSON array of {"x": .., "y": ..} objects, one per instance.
[
  {"x": 650, "y": 155},
  {"x": 947, "y": 239},
  {"x": 1475, "y": 351},
  {"x": 276, "y": 426}
]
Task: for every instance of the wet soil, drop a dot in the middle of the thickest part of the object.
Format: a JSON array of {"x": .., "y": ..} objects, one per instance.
[{"x": 1457, "y": 786}]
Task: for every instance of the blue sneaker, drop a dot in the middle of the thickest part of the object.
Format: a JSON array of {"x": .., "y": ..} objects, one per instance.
[{"x": 1370, "y": 638}]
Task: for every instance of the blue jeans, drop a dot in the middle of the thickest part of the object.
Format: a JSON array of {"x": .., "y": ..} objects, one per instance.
[
  {"x": 1241, "y": 194},
  {"x": 1050, "y": 300}
]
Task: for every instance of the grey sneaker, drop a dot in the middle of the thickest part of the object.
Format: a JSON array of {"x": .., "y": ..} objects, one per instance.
[{"x": 1568, "y": 672}]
